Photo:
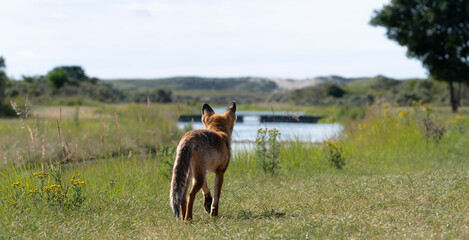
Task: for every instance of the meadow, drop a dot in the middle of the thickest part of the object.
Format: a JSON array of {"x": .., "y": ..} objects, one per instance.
[{"x": 395, "y": 173}]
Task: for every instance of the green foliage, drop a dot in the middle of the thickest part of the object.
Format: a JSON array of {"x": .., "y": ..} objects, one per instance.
[
  {"x": 335, "y": 91},
  {"x": 76, "y": 115},
  {"x": 43, "y": 192},
  {"x": 57, "y": 78},
  {"x": 347, "y": 113},
  {"x": 435, "y": 32},
  {"x": 29, "y": 79},
  {"x": 268, "y": 150},
  {"x": 3, "y": 83},
  {"x": 75, "y": 72},
  {"x": 39, "y": 91},
  {"x": 165, "y": 156},
  {"x": 2, "y": 63},
  {"x": 433, "y": 129},
  {"x": 5, "y": 110},
  {"x": 336, "y": 157},
  {"x": 157, "y": 95},
  {"x": 198, "y": 83},
  {"x": 366, "y": 91},
  {"x": 324, "y": 94},
  {"x": 77, "y": 187}
]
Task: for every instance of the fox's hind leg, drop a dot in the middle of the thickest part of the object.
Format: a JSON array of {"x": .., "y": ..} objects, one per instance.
[
  {"x": 198, "y": 183},
  {"x": 207, "y": 196},
  {"x": 216, "y": 193}
]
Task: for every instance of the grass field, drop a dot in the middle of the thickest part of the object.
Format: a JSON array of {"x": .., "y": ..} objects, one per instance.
[{"x": 397, "y": 173}]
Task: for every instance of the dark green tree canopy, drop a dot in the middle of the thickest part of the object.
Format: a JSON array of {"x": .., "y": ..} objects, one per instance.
[
  {"x": 75, "y": 72},
  {"x": 435, "y": 32},
  {"x": 70, "y": 75},
  {"x": 57, "y": 77},
  {"x": 2, "y": 64}
]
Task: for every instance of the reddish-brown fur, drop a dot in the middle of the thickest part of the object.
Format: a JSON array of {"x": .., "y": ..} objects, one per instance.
[{"x": 201, "y": 151}]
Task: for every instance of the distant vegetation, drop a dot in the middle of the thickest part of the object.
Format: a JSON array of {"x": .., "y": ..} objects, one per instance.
[
  {"x": 365, "y": 91},
  {"x": 70, "y": 85},
  {"x": 325, "y": 91},
  {"x": 199, "y": 83}
]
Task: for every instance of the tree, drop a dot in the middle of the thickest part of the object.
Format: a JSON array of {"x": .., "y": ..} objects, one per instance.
[
  {"x": 2, "y": 64},
  {"x": 57, "y": 77},
  {"x": 3, "y": 78},
  {"x": 335, "y": 91},
  {"x": 434, "y": 31},
  {"x": 76, "y": 73}
]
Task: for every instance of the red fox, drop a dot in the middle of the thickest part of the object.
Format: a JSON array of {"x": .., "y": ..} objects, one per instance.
[{"x": 199, "y": 152}]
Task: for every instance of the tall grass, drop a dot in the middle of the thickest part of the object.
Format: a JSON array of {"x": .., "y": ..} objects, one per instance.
[
  {"x": 66, "y": 135},
  {"x": 395, "y": 182},
  {"x": 387, "y": 140}
]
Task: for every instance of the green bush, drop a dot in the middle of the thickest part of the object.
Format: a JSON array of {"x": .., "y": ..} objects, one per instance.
[
  {"x": 57, "y": 78},
  {"x": 268, "y": 150}
]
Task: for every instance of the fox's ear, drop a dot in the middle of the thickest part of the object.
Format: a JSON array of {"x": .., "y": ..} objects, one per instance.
[
  {"x": 231, "y": 110},
  {"x": 207, "y": 110}
]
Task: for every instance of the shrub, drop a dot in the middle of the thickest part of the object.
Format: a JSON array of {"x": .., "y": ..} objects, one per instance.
[
  {"x": 268, "y": 150},
  {"x": 57, "y": 78},
  {"x": 335, "y": 156}
]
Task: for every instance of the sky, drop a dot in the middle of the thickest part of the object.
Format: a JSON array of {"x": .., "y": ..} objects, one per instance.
[{"x": 214, "y": 38}]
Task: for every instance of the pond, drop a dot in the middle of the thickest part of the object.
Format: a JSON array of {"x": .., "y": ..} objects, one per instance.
[{"x": 245, "y": 133}]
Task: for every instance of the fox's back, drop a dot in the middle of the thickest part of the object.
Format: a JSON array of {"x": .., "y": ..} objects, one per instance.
[{"x": 210, "y": 149}]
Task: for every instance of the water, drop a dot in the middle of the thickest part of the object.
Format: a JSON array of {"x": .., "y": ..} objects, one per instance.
[{"x": 245, "y": 133}]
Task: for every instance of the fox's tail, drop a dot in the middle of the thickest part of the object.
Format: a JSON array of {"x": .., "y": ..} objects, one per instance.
[{"x": 179, "y": 179}]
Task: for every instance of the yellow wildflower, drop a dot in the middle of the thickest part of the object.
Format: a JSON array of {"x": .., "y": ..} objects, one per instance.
[
  {"x": 53, "y": 187},
  {"x": 78, "y": 182},
  {"x": 404, "y": 113},
  {"x": 459, "y": 117},
  {"x": 332, "y": 144},
  {"x": 428, "y": 108},
  {"x": 18, "y": 185},
  {"x": 76, "y": 176},
  {"x": 416, "y": 103},
  {"x": 12, "y": 202},
  {"x": 35, "y": 190},
  {"x": 41, "y": 174}
]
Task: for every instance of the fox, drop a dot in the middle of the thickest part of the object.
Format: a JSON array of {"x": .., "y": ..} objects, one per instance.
[{"x": 201, "y": 151}]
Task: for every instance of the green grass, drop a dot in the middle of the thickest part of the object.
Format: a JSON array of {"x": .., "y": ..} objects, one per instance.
[
  {"x": 318, "y": 205},
  {"x": 87, "y": 132},
  {"x": 395, "y": 184}
]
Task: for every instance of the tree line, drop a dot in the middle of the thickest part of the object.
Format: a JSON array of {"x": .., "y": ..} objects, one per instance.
[{"x": 69, "y": 82}]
